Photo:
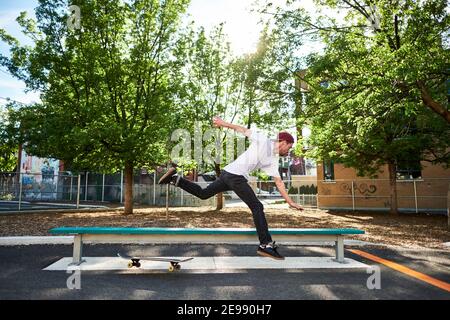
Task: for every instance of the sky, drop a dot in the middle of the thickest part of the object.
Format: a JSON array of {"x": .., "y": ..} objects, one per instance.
[
  {"x": 241, "y": 26},
  {"x": 9, "y": 86}
]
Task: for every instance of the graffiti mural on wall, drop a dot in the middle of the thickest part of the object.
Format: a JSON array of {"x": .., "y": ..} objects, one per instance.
[
  {"x": 39, "y": 177},
  {"x": 361, "y": 188}
]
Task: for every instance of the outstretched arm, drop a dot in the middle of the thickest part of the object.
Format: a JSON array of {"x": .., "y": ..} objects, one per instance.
[
  {"x": 218, "y": 122},
  {"x": 280, "y": 186}
]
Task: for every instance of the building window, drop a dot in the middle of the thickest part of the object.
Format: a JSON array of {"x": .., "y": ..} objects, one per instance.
[
  {"x": 328, "y": 170},
  {"x": 409, "y": 169}
]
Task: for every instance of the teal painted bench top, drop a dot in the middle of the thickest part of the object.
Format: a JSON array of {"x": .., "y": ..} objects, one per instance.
[{"x": 209, "y": 231}]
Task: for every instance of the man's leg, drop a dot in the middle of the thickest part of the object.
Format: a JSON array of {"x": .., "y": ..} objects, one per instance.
[
  {"x": 212, "y": 189},
  {"x": 239, "y": 184},
  {"x": 242, "y": 189}
]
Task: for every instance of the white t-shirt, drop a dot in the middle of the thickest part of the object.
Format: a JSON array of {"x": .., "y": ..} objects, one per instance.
[{"x": 259, "y": 155}]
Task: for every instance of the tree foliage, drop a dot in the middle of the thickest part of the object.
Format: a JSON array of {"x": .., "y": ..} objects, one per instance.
[
  {"x": 377, "y": 92},
  {"x": 8, "y": 144},
  {"x": 107, "y": 87}
]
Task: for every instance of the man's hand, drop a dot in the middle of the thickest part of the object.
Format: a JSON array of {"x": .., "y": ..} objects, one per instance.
[
  {"x": 280, "y": 186},
  {"x": 218, "y": 122},
  {"x": 295, "y": 206}
]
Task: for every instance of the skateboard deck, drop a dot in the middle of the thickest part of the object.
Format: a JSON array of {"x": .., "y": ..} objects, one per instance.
[{"x": 135, "y": 261}]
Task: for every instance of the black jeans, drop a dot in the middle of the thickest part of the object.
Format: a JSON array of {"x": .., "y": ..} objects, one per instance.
[{"x": 228, "y": 181}]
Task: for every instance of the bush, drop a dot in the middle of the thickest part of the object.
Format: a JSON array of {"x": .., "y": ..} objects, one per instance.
[
  {"x": 7, "y": 197},
  {"x": 312, "y": 189},
  {"x": 293, "y": 190}
]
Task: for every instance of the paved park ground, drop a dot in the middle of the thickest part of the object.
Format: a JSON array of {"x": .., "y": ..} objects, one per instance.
[
  {"x": 23, "y": 277},
  {"x": 410, "y": 252}
]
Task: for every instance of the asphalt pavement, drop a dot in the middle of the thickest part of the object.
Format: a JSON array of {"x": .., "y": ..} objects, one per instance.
[{"x": 22, "y": 275}]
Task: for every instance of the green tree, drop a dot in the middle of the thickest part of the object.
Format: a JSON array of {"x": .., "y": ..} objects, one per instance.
[
  {"x": 265, "y": 92},
  {"x": 377, "y": 91},
  {"x": 405, "y": 43},
  {"x": 205, "y": 91},
  {"x": 107, "y": 87},
  {"x": 9, "y": 146}
]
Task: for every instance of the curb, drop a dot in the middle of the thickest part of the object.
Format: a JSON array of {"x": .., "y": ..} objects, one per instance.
[
  {"x": 37, "y": 211},
  {"x": 35, "y": 240}
]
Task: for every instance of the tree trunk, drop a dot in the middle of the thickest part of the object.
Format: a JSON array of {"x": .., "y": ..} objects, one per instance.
[
  {"x": 219, "y": 196},
  {"x": 128, "y": 188},
  {"x": 393, "y": 188},
  {"x": 448, "y": 207}
]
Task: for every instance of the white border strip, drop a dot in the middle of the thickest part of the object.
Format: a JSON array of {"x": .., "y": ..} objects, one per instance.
[
  {"x": 35, "y": 240},
  {"x": 208, "y": 263}
]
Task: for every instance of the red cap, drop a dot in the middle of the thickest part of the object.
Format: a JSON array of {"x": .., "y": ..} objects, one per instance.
[{"x": 284, "y": 136}]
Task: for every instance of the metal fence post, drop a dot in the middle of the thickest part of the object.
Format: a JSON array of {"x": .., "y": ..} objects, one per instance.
[
  {"x": 317, "y": 194},
  {"x": 71, "y": 186},
  {"x": 121, "y": 186},
  {"x": 86, "y": 184},
  {"x": 182, "y": 194},
  {"x": 353, "y": 195},
  {"x": 57, "y": 179},
  {"x": 103, "y": 188},
  {"x": 448, "y": 207},
  {"x": 154, "y": 188},
  {"x": 78, "y": 190},
  {"x": 167, "y": 202},
  {"x": 20, "y": 191},
  {"x": 415, "y": 195},
  {"x": 138, "y": 188}
]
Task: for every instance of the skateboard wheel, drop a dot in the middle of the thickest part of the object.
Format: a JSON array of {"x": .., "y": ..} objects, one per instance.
[
  {"x": 138, "y": 264},
  {"x": 177, "y": 267},
  {"x": 130, "y": 264},
  {"x": 171, "y": 268}
]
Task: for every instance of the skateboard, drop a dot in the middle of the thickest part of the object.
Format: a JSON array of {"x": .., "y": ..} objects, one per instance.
[{"x": 134, "y": 261}]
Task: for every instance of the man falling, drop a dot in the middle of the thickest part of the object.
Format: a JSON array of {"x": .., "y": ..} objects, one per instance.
[{"x": 263, "y": 154}]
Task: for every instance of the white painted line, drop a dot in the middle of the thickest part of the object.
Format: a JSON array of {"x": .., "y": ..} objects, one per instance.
[
  {"x": 210, "y": 263},
  {"x": 32, "y": 240}
]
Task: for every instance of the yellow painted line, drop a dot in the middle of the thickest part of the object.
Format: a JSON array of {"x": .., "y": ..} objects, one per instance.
[{"x": 410, "y": 272}]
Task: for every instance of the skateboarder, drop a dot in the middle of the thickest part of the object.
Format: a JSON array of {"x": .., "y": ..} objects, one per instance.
[{"x": 263, "y": 154}]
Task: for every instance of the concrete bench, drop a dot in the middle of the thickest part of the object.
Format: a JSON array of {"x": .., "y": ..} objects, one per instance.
[{"x": 198, "y": 235}]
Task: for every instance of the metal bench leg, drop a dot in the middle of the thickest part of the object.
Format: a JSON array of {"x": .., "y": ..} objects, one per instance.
[
  {"x": 77, "y": 250},
  {"x": 339, "y": 247}
]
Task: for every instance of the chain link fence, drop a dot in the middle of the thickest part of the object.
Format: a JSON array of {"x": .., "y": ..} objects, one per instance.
[
  {"x": 413, "y": 195},
  {"x": 20, "y": 192}
]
